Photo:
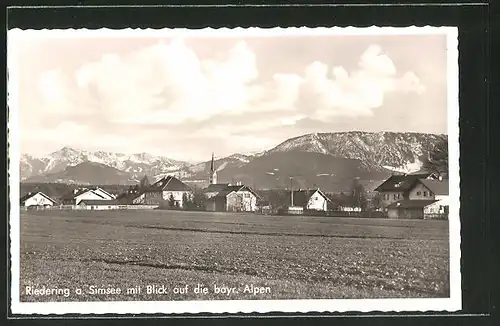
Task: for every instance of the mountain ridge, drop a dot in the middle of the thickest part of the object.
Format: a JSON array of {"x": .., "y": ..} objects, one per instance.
[{"x": 376, "y": 152}]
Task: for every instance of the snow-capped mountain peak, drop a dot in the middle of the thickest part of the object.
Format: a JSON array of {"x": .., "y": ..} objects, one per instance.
[{"x": 142, "y": 163}]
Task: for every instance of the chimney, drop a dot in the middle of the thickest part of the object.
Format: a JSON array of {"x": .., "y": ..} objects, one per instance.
[
  {"x": 440, "y": 178},
  {"x": 75, "y": 191}
]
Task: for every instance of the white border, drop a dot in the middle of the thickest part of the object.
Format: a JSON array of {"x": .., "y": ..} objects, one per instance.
[{"x": 453, "y": 303}]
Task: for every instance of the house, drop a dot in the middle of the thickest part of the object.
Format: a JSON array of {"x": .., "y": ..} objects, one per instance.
[
  {"x": 232, "y": 198},
  {"x": 146, "y": 195},
  {"x": 440, "y": 190},
  {"x": 169, "y": 188},
  {"x": 309, "y": 199},
  {"x": 414, "y": 196},
  {"x": 77, "y": 195},
  {"x": 406, "y": 208},
  {"x": 214, "y": 189},
  {"x": 397, "y": 187},
  {"x": 38, "y": 199},
  {"x": 98, "y": 204}
]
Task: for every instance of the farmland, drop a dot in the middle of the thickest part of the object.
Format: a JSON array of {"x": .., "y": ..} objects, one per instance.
[{"x": 107, "y": 253}]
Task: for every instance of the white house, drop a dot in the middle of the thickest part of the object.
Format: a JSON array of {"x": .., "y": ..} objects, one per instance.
[
  {"x": 313, "y": 199},
  {"x": 440, "y": 191},
  {"x": 78, "y": 195},
  {"x": 37, "y": 199},
  {"x": 414, "y": 196},
  {"x": 171, "y": 187}
]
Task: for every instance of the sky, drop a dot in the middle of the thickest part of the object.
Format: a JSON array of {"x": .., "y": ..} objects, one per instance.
[{"x": 187, "y": 96}]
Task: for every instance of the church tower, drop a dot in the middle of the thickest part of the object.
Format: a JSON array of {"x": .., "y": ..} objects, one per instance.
[{"x": 213, "y": 172}]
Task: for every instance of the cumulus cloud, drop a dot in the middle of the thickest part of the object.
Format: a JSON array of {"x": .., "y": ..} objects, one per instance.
[{"x": 169, "y": 84}]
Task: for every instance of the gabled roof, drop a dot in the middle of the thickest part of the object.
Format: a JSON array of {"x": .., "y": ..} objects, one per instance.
[
  {"x": 97, "y": 202},
  {"x": 32, "y": 194},
  {"x": 301, "y": 197},
  {"x": 104, "y": 191},
  {"x": 408, "y": 203},
  {"x": 170, "y": 183},
  {"x": 72, "y": 194},
  {"x": 436, "y": 186},
  {"x": 400, "y": 182},
  {"x": 236, "y": 188},
  {"x": 217, "y": 187}
]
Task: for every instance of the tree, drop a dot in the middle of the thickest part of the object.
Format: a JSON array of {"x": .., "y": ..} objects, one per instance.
[
  {"x": 198, "y": 199},
  {"x": 185, "y": 201},
  {"x": 144, "y": 182},
  {"x": 358, "y": 195},
  {"x": 171, "y": 201},
  {"x": 375, "y": 202},
  {"x": 437, "y": 160}
]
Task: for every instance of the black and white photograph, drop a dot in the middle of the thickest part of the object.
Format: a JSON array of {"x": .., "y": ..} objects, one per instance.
[{"x": 234, "y": 170}]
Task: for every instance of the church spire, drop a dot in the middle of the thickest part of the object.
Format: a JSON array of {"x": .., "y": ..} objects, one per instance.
[{"x": 213, "y": 172}]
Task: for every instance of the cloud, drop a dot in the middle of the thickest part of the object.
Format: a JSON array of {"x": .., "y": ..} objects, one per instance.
[{"x": 168, "y": 84}]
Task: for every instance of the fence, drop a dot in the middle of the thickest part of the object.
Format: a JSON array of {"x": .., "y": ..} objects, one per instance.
[
  {"x": 77, "y": 207},
  {"x": 362, "y": 214},
  {"x": 337, "y": 213},
  {"x": 443, "y": 216}
]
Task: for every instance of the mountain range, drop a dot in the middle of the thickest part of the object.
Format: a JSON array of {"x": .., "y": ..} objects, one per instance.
[{"x": 317, "y": 159}]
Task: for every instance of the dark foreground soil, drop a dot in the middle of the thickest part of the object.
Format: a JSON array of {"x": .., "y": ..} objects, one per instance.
[{"x": 110, "y": 255}]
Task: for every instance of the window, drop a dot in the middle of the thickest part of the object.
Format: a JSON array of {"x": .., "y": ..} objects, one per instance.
[
  {"x": 316, "y": 198},
  {"x": 425, "y": 193},
  {"x": 419, "y": 193},
  {"x": 431, "y": 193},
  {"x": 395, "y": 196}
]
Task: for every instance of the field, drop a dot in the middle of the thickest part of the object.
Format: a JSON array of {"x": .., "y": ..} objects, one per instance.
[{"x": 273, "y": 257}]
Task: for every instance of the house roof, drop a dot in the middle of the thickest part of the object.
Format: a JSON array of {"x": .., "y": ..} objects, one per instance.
[
  {"x": 408, "y": 203},
  {"x": 104, "y": 191},
  {"x": 72, "y": 195},
  {"x": 229, "y": 189},
  {"x": 436, "y": 186},
  {"x": 32, "y": 194},
  {"x": 302, "y": 196},
  {"x": 400, "y": 182},
  {"x": 100, "y": 202},
  {"x": 128, "y": 196},
  {"x": 170, "y": 183},
  {"x": 216, "y": 187}
]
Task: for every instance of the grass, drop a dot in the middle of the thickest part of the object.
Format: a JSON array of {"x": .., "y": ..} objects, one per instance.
[{"x": 295, "y": 256}]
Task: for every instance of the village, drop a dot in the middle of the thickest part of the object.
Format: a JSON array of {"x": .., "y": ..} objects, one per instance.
[{"x": 419, "y": 195}]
